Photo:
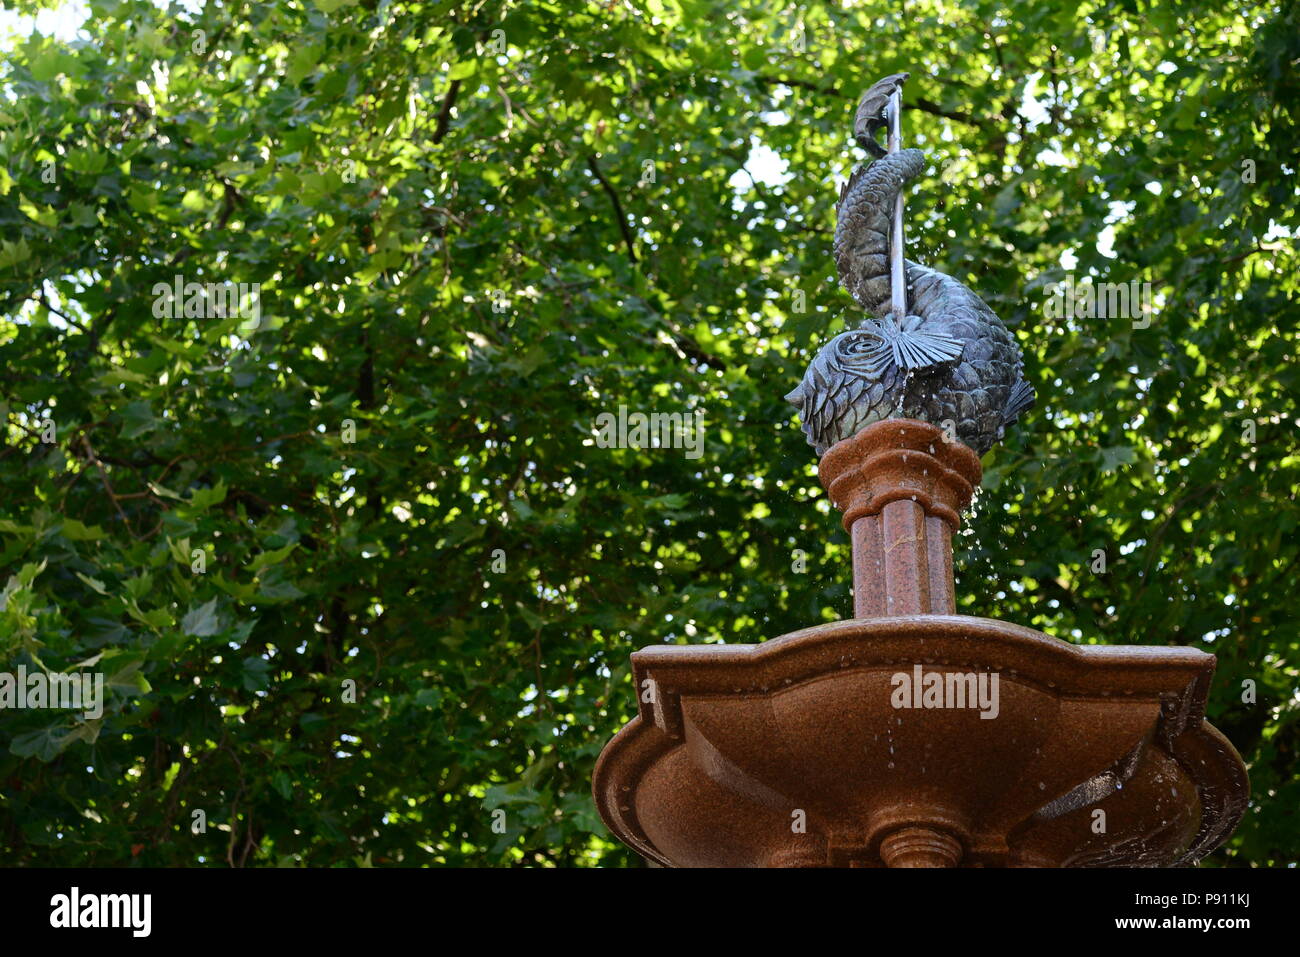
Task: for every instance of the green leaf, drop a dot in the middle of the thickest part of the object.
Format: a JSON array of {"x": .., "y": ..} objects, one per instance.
[
  {"x": 283, "y": 786},
  {"x": 51, "y": 62},
  {"x": 87, "y": 731},
  {"x": 256, "y": 674},
  {"x": 504, "y": 795},
  {"x": 204, "y": 498},
  {"x": 46, "y": 216},
  {"x": 137, "y": 418},
  {"x": 44, "y": 744},
  {"x": 13, "y": 252},
  {"x": 311, "y": 722},
  {"x": 463, "y": 69},
  {"x": 201, "y": 621},
  {"x": 75, "y": 531},
  {"x": 303, "y": 62},
  {"x": 1115, "y": 456},
  {"x": 273, "y": 586},
  {"x": 673, "y": 500},
  {"x": 27, "y": 574},
  {"x": 532, "y": 619},
  {"x": 128, "y": 678},
  {"x": 94, "y": 583},
  {"x": 272, "y": 557}
]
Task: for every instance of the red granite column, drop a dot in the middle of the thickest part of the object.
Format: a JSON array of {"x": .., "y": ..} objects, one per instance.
[{"x": 902, "y": 489}]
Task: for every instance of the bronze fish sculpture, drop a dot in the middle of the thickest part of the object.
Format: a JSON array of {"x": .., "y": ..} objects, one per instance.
[{"x": 949, "y": 360}]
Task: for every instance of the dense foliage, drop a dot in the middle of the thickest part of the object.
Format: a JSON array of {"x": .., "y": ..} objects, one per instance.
[{"x": 477, "y": 227}]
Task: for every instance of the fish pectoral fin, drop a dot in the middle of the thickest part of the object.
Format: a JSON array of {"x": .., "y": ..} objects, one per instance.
[
  {"x": 914, "y": 348},
  {"x": 1021, "y": 398}
]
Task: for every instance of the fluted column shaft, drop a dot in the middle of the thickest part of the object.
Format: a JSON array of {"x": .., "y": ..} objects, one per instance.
[{"x": 902, "y": 489}]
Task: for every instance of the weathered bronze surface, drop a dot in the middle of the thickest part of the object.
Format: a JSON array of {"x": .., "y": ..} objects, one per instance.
[{"x": 950, "y": 359}]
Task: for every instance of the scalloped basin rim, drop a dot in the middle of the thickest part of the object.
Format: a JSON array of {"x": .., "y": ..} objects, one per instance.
[
  {"x": 1173, "y": 680},
  {"x": 943, "y": 640},
  {"x": 921, "y": 625}
]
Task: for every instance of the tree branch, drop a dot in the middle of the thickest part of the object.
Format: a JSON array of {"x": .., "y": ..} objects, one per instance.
[
  {"x": 444, "y": 115},
  {"x": 920, "y": 103},
  {"x": 797, "y": 84},
  {"x": 44, "y": 301},
  {"x": 618, "y": 207},
  {"x": 93, "y": 459}
]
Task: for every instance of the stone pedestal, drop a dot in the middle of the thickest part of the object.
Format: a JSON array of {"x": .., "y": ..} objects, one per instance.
[
  {"x": 902, "y": 489},
  {"x": 803, "y": 751}
]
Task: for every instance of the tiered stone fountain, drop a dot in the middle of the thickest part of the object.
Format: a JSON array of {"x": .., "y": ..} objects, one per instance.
[{"x": 910, "y": 736}]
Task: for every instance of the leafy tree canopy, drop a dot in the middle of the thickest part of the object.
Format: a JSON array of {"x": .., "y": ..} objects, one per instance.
[{"x": 476, "y": 227}]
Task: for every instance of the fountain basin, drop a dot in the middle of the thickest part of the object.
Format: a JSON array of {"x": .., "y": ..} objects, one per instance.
[{"x": 804, "y": 751}]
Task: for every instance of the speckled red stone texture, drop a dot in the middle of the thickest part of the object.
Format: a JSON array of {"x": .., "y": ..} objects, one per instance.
[
  {"x": 792, "y": 753},
  {"x": 902, "y": 489}
]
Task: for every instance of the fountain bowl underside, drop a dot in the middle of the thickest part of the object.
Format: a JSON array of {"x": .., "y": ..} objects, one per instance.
[{"x": 803, "y": 752}]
